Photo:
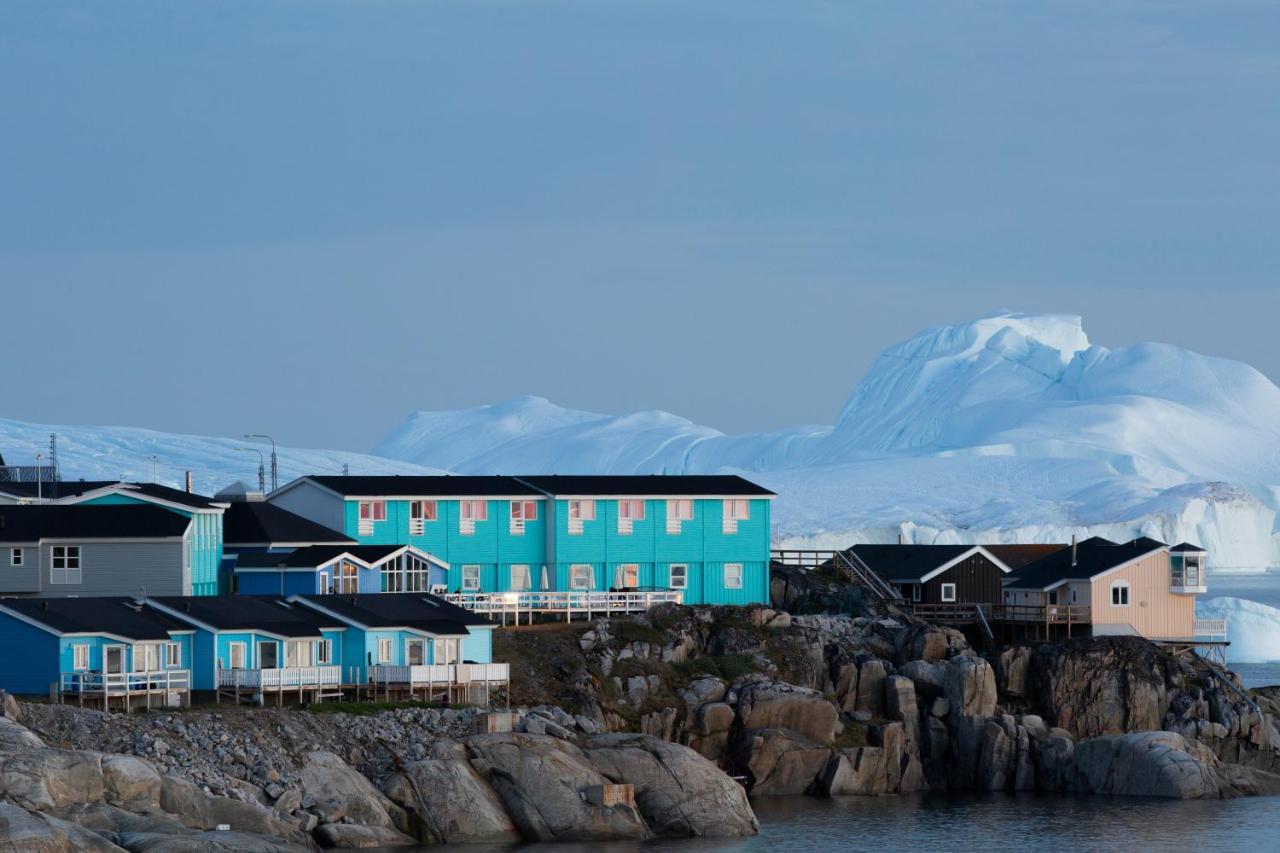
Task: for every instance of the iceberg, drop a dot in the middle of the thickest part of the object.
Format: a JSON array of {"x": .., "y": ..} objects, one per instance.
[{"x": 1253, "y": 629}]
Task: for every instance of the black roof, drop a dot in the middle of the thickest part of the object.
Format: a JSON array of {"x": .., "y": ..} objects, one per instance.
[
  {"x": 262, "y": 523},
  {"x": 907, "y": 563},
  {"x": 1093, "y": 556},
  {"x": 645, "y": 484},
  {"x": 269, "y": 614},
  {"x": 121, "y": 617},
  {"x": 52, "y": 489},
  {"x": 426, "y": 486},
  {"x": 177, "y": 496},
  {"x": 1186, "y": 548},
  {"x": 32, "y": 522},
  {"x": 312, "y": 556},
  {"x": 408, "y": 609}
]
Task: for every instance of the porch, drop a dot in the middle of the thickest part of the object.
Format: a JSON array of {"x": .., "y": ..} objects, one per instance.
[
  {"x": 470, "y": 682},
  {"x": 164, "y": 688},
  {"x": 314, "y": 683},
  {"x": 511, "y": 606}
]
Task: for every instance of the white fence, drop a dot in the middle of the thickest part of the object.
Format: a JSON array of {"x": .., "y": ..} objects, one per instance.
[
  {"x": 110, "y": 685},
  {"x": 433, "y": 674},
  {"x": 587, "y": 603},
  {"x": 284, "y": 678},
  {"x": 1211, "y": 627}
]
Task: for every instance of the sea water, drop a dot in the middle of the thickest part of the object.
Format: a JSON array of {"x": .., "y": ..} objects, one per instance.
[{"x": 1264, "y": 589}]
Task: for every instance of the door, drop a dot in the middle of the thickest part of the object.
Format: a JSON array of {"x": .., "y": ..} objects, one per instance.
[
  {"x": 113, "y": 659},
  {"x": 267, "y": 655},
  {"x": 415, "y": 652},
  {"x": 235, "y": 651}
]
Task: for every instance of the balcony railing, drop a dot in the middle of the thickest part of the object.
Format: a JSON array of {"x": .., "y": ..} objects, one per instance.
[
  {"x": 433, "y": 674},
  {"x": 283, "y": 678},
  {"x": 125, "y": 683},
  {"x": 1210, "y": 627},
  {"x": 1056, "y": 614},
  {"x": 569, "y": 602}
]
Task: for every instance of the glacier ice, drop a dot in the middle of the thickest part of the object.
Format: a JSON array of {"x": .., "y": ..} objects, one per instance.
[{"x": 1253, "y": 629}]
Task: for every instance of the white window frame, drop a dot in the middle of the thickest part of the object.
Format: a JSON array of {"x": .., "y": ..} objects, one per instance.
[
  {"x": 733, "y": 578},
  {"x": 470, "y": 584},
  {"x": 679, "y": 510},
  {"x": 446, "y": 650},
  {"x": 684, "y": 576},
  {"x": 16, "y": 556},
  {"x": 324, "y": 653},
  {"x": 521, "y": 513},
  {"x": 385, "y": 649},
  {"x": 346, "y": 575},
  {"x": 630, "y": 574},
  {"x": 734, "y": 511},
  {"x": 469, "y": 512},
  {"x": 365, "y": 522},
  {"x": 66, "y": 555},
  {"x": 630, "y": 510},
  {"x": 106, "y": 658},
  {"x": 580, "y": 510},
  {"x": 173, "y": 655},
  {"x": 80, "y": 656},
  {"x": 525, "y": 573},
  {"x": 574, "y": 571},
  {"x": 947, "y": 593},
  {"x": 419, "y": 515},
  {"x": 271, "y": 644},
  {"x": 1118, "y": 587},
  {"x": 232, "y": 648},
  {"x": 409, "y": 643},
  {"x": 149, "y": 654}
]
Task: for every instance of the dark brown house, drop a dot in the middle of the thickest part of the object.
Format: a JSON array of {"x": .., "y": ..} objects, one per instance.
[{"x": 937, "y": 574}]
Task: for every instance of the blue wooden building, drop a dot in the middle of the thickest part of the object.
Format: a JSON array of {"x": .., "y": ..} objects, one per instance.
[
  {"x": 256, "y": 528},
  {"x": 339, "y": 569},
  {"x": 706, "y": 536}
]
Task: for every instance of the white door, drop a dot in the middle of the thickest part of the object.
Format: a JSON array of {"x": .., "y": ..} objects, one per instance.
[
  {"x": 113, "y": 659},
  {"x": 415, "y": 652}
]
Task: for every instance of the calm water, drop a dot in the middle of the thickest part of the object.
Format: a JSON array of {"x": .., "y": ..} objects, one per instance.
[
  {"x": 1264, "y": 589},
  {"x": 994, "y": 822}
]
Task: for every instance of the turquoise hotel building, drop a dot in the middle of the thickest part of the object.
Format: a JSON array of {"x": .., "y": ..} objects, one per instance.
[{"x": 706, "y": 536}]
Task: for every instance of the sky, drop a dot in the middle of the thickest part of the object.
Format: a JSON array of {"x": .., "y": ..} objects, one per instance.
[{"x": 313, "y": 218}]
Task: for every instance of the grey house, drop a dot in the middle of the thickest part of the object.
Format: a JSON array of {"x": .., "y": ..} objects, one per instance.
[{"x": 57, "y": 550}]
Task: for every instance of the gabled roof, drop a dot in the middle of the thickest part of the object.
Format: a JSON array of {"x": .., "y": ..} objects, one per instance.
[
  {"x": 658, "y": 485},
  {"x": 417, "y": 610},
  {"x": 246, "y": 523},
  {"x": 421, "y": 486},
  {"x": 1187, "y": 548},
  {"x": 1093, "y": 557},
  {"x": 265, "y": 614},
  {"x": 1017, "y": 556},
  {"x": 916, "y": 563},
  {"x": 154, "y": 491},
  {"x": 315, "y": 556},
  {"x": 119, "y": 617},
  {"x": 33, "y": 522},
  {"x": 52, "y": 490}
]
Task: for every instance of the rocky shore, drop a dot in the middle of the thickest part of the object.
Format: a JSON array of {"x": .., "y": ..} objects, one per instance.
[{"x": 637, "y": 729}]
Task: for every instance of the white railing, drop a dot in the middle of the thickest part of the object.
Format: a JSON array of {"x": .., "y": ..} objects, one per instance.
[
  {"x": 126, "y": 683},
  {"x": 284, "y": 678},
  {"x": 443, "y": 674},
  {"x": 568, "y": 602},
  {"x": 1210, "y": 627}
]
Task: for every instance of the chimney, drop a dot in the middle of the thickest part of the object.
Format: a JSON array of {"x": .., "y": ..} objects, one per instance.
[
  {"x": 901, "y": 538},
  {"x": 1073, "y": 550},
  {"x": 189, "y": 487}
]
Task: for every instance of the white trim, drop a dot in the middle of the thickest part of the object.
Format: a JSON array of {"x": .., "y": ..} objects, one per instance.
[
  {"x": 1128, "y": 593},
  {"x": 132, "y": 491},
  {"x": 976, "y": 549},
  {"x": 942, "y": 593},
  {"x": 231, "y": 657},
  {"x": 124, "y": 667},
  {"x": 1090, "y": 578},
  {"x": 659, "y": 496},
  {"x": 670, "y": 582},
  {"x": 742, "y": 580},
  {"x": 76, "y": 648}
]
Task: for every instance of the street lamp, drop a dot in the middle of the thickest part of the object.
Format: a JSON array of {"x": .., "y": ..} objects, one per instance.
[
  {"x": 275, "y": 482},
  {"x": 262, "y": 477}
]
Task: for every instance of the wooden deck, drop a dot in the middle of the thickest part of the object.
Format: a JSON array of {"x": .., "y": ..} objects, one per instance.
[
  {"x": 447, "y": 682},
  {"x": 504, "y": 607},
  {"x": 158, "y": 689},
  {"x": 307, "y": 683}
]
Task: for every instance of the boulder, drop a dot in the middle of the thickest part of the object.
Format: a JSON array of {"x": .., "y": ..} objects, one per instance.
[
  {"x": 357, "y": 836},
  {"x": 541, "y": 780},
  {"x": 15, "y": 736},
  {"x": 710, "y": 736},
  {"x": 1013, "y": 665},
  {"x": 929, "y": 678},
  {"x": 339, "y": 791},
  {"x": 1102, "y": 686},
  {"x": 970, "y": 687},
  {"x": 198, "y": 810},
  {"x": 41, "y": 833},
  {"x": 846, "y": 686},
  {"x": 678, "y": 792},
  {"x": 871, "y": 675},
  {"x": 130, "y": 782},
  {"x": 775, "y": 705},
  {"x": 209, "y": 842},
  {"x": 451, "y": 803},
  {"x": 885, "y": 767},
  {"x": 779, "y": 761},
  {"x": 1144, "y": 764},
  {"x": 701, "y": 691},
  {"x": 45, "y": 779}
]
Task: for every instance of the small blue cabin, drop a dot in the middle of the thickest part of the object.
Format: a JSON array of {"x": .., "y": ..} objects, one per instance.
[
  {"x": 339, "y": 569},
  {"x": 75, "y": 642},
  {"x": 253, "y": 528}
]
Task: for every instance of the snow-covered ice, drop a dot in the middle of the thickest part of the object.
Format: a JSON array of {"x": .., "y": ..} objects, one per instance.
[{"x": 1253, "y": 629}]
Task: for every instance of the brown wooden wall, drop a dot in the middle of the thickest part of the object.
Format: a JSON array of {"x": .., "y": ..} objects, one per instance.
[{"x": 977, "y": 581}]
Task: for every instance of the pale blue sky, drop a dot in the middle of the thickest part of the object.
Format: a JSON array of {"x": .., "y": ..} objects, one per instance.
[{"x": 313, "y": 217}]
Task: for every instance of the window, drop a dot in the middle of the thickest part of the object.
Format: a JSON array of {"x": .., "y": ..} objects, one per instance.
[
  {"x": 520, "y": 577},
  {"x": 384, "y": 650},
  {"x": 420, "y": 512},
  {"x": 733, "y": 576},
  {"x": 580, "y": 511},
  {"x": 1186, "y": 570},
  {"x": 1120, "y": 594},
  {"x": 629, "y": 512},
  {"x": 236, "y": 654},
  {"x": 679, "y": 510},
  {"x": 173, "y": 654},
  {"x": 628, "y": 575},
  {"x": 948, "y": 592},
  {"x": 346, "y": 578},
  {"x": 735, "y": 510},
  {"x": 15, "y": 556},
  {"x": 146, "y": 657},
  {"x": 80, "y": 656},
  {"x": 1053, "y": 596},
  {"x": 469, "y": 512},
  {"x": 415, "y": 652},
  {"x": 679, "y": 576},
  {"x": 65, "y": 567},
  {"x": 417, "y": 573},
  {"x": 915, "y": 592},
  {"x": 371, "y": 512},
  {"x": 324, "y": 652},
  {"x": 268, "y": 654},
  {"x": 522, "y": 512},
  {"x": 470, "y": 578},
  {"x": 113, "y": 659},
  {"x": 580, "y": 577},
  {"x": 446, "y": 651},
  {"x": 297, "y": 653}
]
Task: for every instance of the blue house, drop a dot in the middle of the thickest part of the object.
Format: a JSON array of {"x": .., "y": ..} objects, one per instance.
[
  {"x": 75, "y": 642},
  {"x": 257, "y": 527},
  {"x": 706, "y": 536},
  {"x": 338, "y": 569}
]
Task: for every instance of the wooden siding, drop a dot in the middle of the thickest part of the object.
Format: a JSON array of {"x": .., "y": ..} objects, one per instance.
[
  {"x": 977, "y": 581},
  {"x": 121, "y": 568},
  {"x": 32, "y": 663},
  {"x": 1153, "y": 611}
]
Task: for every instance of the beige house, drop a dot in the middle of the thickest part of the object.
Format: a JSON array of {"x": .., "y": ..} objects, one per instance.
[{"x": 1141, "y": 588}]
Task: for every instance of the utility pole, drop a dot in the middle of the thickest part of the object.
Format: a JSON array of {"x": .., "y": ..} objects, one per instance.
[
  {"x": 262, "y": 477},
  {"x": 275, "y": 480},
  {"x": 39, "y": 479}
]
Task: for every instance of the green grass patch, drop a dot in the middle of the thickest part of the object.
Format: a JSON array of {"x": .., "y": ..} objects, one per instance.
[
  {"x": 854, "y": 735},
  {"x": 727, "y": 667},
  {"x": 628, "y": 631}
]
